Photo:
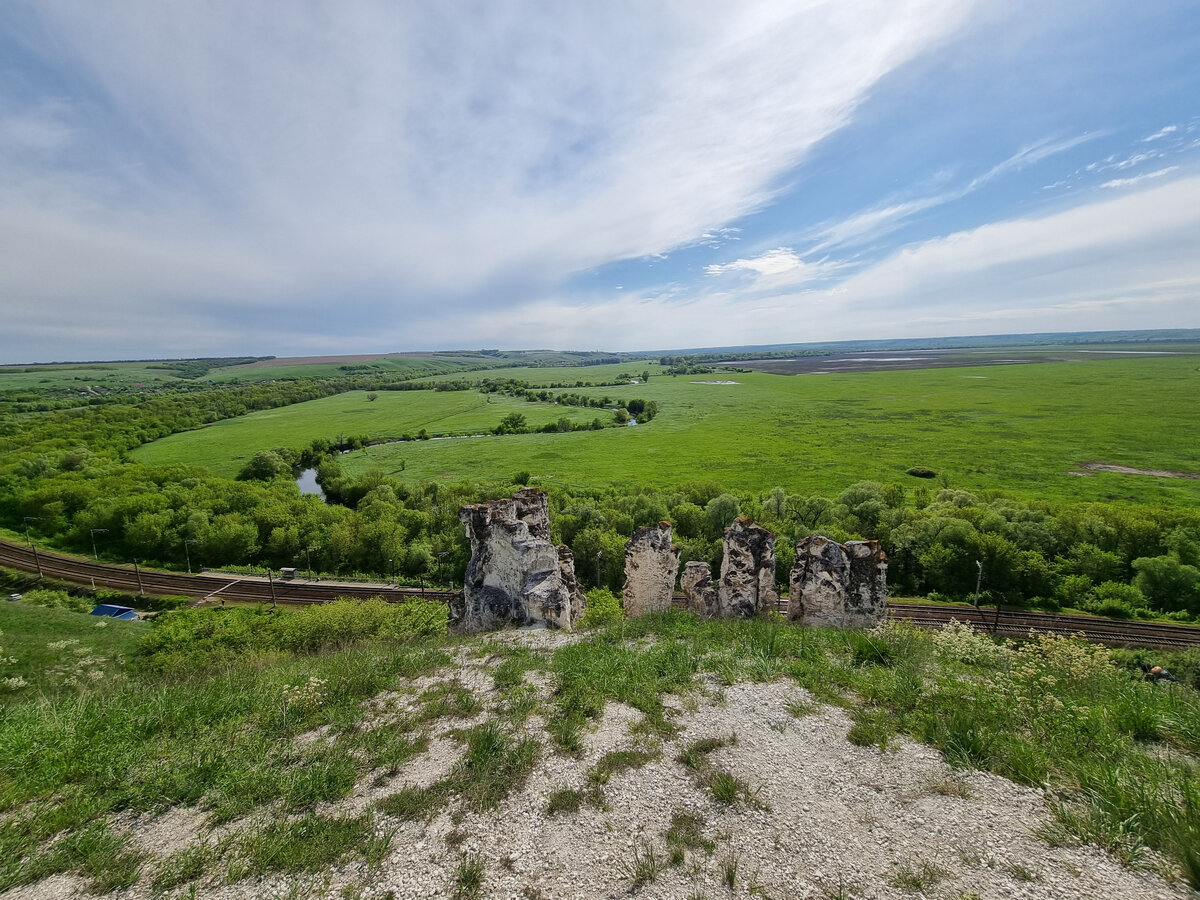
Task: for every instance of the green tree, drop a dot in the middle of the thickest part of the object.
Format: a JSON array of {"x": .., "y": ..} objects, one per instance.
[
  {"x": 1167, "y": 583},
  {"x": 264, "y": 466},
  {"x": 720, "y": 512}
]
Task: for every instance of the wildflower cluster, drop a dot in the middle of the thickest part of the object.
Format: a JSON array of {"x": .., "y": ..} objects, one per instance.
[
  {"x": 82, "y": 667},
  {"x": 960, "y": 642},
  {"x": 9, "y": 682},
  {"x": 306, "y": 694},
  {"x": 1044, "y": 671}
]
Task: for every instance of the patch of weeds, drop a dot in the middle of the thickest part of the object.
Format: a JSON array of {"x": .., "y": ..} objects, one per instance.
[
  {"x": 450, "y": 699},
  {"x": 454, "y": 838},
  {"x": 414, "y": 804},
  {"x": 726, "y": 788},
  {"x": 520, "y": 705},
  {"x": 377, "y": 847},
  {"x": 917, "y": 878},
  {"x": 469, "y": 877},
  {"x": 569, "y": 800},
  {"x": 1020, "y": 873},
  {"x": 948, "y": 786},
  {"x": 644, "y": 866},
  {"x": 493, "y": 766},
  {"x": 389, "y": 748},
  {"x": 510, "y": 674},
  {"x": 800, "y": 708},
  {"x": 103, "y": 857},
  {"x": 695, "y": 755},
  {"x": 567, "y": 733},
  {"x": 308, "y": 844},
  {"x": 183, "y": 866},
  {"x": 617, "y": 761},
  {"x": 729, "y": 869},
  {"x": 686, "y": 832},
  {"x": 873, "y": 727}
]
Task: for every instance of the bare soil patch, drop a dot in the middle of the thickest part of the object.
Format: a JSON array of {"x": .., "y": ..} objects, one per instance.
[{"x": 1130, "y": 470}]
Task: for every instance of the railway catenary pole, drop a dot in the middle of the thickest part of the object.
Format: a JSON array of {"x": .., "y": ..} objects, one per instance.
[
  {"x": 138, "y": 572},
  {"x": 27, "y": 520},
  {"x": 95, "y": 553},
  {"x": 188, "y": 555},
  {"x": 271, "y": 581}
]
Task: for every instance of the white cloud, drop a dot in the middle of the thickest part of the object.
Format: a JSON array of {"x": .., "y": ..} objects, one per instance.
[
  {"x": 425, "y": 151},
  {"x": 775, "y": 269},
  {"x": 876, "y": 222},
  {"x": 1161, "y": 133},
  {"x": 1122, "y": 262},
  {"x": 1137, "y": 179}
]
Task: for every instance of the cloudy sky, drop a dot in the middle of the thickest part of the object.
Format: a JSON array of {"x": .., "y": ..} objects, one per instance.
[{"x": 215, "y": 177}]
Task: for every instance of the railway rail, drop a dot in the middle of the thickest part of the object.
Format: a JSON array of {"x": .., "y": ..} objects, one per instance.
[{"x": 212, "y": 587}]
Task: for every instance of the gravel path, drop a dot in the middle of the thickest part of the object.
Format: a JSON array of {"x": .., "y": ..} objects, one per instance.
[{"x": 832, "y": 820}]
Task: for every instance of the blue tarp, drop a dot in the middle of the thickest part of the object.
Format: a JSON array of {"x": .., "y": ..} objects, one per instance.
[{"x": 115, "y": 612}]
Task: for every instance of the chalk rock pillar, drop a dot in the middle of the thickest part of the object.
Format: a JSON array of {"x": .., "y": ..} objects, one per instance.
[
  {"x": 651, "y": 564},
  {"x": 515, "y": 576},
  {"x": 866, "y": 584},
  {"x": 817, "y": 583},
  {"x": 697, "y": 583},
  {"x": 566, "y": 567},
  {"x": 747, "y": 585},
  {"x": 836, "y": 585}
]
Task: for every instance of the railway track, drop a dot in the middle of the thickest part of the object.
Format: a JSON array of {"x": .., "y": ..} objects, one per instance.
[{"x": 212, "y": 587}]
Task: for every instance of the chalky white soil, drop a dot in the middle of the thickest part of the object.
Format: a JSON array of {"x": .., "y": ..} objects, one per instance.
[{"x": 835, "y": 820}]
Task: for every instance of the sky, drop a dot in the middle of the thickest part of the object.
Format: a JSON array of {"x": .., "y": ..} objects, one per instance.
[{"x": 219, "y": 178}]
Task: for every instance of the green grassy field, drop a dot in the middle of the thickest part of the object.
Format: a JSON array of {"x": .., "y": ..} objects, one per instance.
[
  {"x": 1019, "y": 428},
  {"x": 47, "y": 647},
  {"x": 392, "y": 365},
  {"x": 224, "y": 446},
  {"x": 434, "y": 363},
  {"x": 78, "y": 375}
]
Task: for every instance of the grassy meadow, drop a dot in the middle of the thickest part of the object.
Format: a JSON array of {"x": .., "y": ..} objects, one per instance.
[
  {"x": 1020, "y": 428},
  {"x": 225, "y": 446},
  {"x": 286, "y": 368},
  {"x": 82, "y": 375}
]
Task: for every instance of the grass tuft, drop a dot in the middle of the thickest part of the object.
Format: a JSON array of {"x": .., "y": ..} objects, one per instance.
[{"x": 643, "y": 867}]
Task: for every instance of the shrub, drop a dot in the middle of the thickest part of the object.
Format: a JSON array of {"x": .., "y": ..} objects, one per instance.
[
  {"x": 206, "y": 637},
  {"x": 58, "y": 600},
  {"x": 920, "y": 472},
  {"x": 603, "y": 608}
]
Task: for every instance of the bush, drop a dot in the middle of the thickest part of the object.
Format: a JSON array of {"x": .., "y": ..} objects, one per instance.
[
  {"x": 203, "y": 638},
  {"x": 603, "y": 608},
  {"x": 58, "y": 600},
  {"x": 920, "y": 472}
]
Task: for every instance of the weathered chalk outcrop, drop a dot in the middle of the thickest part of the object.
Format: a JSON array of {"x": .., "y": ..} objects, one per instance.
[
  {"x": 651, "y": 564},
  {"x": 516, "y": 576},
  {"x": 866, "y": 585},
  {"x": 697, "y": 582},
  {"x": 747, "y": 585},
  {"x": 566, "y": 567},
  {"x": 838, "y": 585}
]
